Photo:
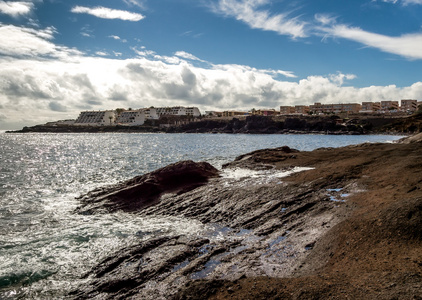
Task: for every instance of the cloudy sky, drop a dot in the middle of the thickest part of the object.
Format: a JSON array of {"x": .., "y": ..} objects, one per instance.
[{"x": 59, "y": 57}]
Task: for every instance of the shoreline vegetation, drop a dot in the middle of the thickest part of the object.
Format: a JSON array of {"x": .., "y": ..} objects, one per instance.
[
  {"x": 350, "y": 124},
  {"x": 347, "y": 226}
]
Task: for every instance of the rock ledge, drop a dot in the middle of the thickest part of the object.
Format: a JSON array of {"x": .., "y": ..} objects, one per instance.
[{"x": 146, "y": 190}]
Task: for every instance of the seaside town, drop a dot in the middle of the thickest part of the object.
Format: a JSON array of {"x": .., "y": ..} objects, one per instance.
[{"x": 183, "y": 115}]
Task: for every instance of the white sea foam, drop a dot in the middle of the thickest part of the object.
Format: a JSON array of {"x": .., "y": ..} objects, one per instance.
[{"x": 241, "y": 173}]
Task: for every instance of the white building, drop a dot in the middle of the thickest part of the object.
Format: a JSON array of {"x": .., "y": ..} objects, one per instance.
[
  {"x": 151, "y": 113},
  {"x": 193, "y": 111},
  {"x": 178, "y": 111},
  {"x": 162, "y": 111},
  {"x": 131, "y": 117},
  {"x": 96, "y": 118}
]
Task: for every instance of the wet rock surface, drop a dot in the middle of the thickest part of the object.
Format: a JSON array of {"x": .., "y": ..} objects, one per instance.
[
  {"x": 346, "y": 224},
  {"x": 146, "y": 190}
]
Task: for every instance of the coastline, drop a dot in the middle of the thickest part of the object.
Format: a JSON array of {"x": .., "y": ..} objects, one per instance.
[
  {"x": 258, "y": 125},
  {"x": 349, "y": 226}
]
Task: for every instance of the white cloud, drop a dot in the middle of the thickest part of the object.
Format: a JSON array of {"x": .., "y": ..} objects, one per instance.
[
  {"x": 288, "y": 74},
  {"x": 403, "y": 2},
  {"x": 16, "y": 9},
  {"x": 138, "y": 3},
  {"x": 408, "y": 2},
  {"x": 186, "y": 55},
  {"x": 143, "y": 52},
  {"x": 108, "y": 13},
  {"x": 325, "y": 19},
  {"x": 41, "y": 90},
  {"x": 101, "y": 53},
  {"x": 248, "y": 11},
  {"x": 406, "y": 45},
  {"x": 86, "y": 31},
  {"x": 48, "y": 90},
  {"x": 21, "y": 41},
  {"x": 117, "y": 38},
  {"x": 339, "y": 78},
  {"x": 191, "y": 33},
  {"x": 251, "y": 12}
]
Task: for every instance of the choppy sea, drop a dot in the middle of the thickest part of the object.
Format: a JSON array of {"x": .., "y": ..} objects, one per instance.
[{"x": 45, "y": 247}]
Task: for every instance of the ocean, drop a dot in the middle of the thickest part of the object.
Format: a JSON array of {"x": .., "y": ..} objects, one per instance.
[{"x": 45, "y": 247}]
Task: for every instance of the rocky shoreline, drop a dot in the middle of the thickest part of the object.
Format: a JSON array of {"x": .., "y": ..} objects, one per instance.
[
  {"x": 259, "y": 125},
  {"x": 278, "y": 224}
]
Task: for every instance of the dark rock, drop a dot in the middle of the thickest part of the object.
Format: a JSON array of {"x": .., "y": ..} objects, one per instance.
[
  {"x": 262, "y": 159},
  {"x": 146, "y": 190}
]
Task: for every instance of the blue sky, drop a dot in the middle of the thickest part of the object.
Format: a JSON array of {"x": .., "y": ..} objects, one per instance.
[{"x": 59, "y": 57}]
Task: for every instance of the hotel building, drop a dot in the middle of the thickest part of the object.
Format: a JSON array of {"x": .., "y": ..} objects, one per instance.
[
  {"x": 96, "y": 118},
  {"x": 178, "y": 111},
  {"x": 131, "y": 117}
]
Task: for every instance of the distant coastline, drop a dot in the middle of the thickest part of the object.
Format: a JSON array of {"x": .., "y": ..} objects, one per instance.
[{"x": 354, "y": 124}]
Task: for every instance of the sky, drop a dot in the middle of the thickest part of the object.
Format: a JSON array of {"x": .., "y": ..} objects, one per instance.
[{"x": 61, "y": 57}]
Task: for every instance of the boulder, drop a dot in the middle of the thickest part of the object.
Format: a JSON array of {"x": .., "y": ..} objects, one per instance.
[{"x": 146, "y": 190}]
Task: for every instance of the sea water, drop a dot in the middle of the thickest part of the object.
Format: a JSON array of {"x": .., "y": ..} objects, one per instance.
[{"x": 45, "y": 247}]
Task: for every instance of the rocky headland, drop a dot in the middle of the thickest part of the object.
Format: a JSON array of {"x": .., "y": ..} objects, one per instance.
[{"x": 333, "y": 223}]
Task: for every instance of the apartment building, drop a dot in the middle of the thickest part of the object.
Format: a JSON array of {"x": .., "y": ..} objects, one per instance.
[
  {"x": 371, "y": 106},
  {"x": 287, "y": 110},
  {"x": 232, "y": 113},
  {"x": 318, "y": 108},
  {"x": 193, "y": 111},
  {"x": 131, "y": 117},
  {"x": 301, "y": 109},
  {"x": 297, "y": 109},
  {"x": 351, "y": 107},
  {"x": 178, "y": 111},
  {"x": 150, "y": 113},
  {"x": 96, "y": 118},
  {"x": 409, "y": 105},
  {"x": 264, "y": 112},
  {"x": 389, "y": 105}
]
